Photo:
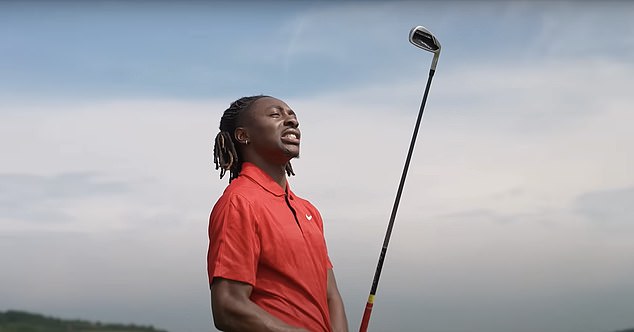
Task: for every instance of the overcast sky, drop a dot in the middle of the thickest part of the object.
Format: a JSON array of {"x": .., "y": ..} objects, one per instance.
[{"x": 517, "y": 212}]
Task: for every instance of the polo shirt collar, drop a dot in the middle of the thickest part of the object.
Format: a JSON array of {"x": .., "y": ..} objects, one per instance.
[{"x": 265, "y": 181}]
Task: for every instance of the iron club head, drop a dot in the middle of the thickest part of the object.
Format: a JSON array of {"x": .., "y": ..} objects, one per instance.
[{"x": 423, "y": 38}]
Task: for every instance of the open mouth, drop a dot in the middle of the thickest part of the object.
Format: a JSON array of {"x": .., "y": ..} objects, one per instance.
[{"x": 290, "y": 137}]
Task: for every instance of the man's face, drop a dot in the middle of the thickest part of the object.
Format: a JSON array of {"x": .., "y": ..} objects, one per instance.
[{"x": 273, "y": 130}]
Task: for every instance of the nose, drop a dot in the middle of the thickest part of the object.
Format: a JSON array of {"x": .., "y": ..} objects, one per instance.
[{"x": 291, "y": 121}]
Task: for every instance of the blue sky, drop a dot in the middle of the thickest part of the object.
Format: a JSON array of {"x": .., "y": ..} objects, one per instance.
[
  {"x": 517, "y": 211},
  {"x": 198, "y": 49}
]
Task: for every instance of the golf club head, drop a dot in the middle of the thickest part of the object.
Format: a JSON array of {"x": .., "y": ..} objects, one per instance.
[{"x": 424, "y": 39}]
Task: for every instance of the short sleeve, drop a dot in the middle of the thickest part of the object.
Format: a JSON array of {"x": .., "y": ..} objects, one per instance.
[{"x": 234, "y": 244}]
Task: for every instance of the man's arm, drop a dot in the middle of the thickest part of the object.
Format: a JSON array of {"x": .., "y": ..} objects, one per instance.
[
  {"x": 233, "y": 311},
  {"x": 338, "y": 318}
]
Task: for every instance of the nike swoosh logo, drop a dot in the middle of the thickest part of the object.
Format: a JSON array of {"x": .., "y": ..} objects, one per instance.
[{"x": 309, "y": 217}]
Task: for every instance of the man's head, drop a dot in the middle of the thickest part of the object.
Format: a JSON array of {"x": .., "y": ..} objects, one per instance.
[{"x": 257, "y": 128}]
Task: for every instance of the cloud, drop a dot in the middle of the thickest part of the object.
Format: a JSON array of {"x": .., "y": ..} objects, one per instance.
[
  {"x": 146, "y": 162},
  {"x": 29, "y": 187},
  {"x": 30, "y": 197},
  {"x": 586, "y": 30},
  {"x": 608, "y": 209},
  {"x": 109, "y": 275}
]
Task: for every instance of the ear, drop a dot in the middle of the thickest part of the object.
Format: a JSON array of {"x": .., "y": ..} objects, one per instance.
[{"x": 242, "y": 135}]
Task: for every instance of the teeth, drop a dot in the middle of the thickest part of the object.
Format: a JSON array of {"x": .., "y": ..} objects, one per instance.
[{"x": 291, "y": 136}]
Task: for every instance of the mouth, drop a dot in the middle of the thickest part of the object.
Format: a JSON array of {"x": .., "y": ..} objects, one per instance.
[{"x": 291, "y": 136}]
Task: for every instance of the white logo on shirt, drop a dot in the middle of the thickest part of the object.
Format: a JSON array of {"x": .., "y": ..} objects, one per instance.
[{"x": 309, "y": 217}]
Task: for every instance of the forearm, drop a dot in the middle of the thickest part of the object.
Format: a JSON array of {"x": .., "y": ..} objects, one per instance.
[
  {"x": 247, "y": 316},
  {"x": 234, "y": 311},
  {"x": 338, "y": 319}
]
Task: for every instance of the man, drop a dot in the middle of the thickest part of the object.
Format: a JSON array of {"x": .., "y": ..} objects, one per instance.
[{"x": 268, "y": 264}]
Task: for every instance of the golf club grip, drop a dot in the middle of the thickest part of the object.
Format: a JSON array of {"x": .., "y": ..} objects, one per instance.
[{"x": 365, "y": 321}]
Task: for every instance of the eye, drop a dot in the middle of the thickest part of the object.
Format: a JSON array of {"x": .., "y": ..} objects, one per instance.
[{"x": 275, "y": 115}]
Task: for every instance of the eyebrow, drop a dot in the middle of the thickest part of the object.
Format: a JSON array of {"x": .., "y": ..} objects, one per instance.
[{"x": 280, "y": 108}]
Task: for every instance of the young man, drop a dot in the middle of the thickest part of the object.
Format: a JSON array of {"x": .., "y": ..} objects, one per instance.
[{"x": 267, "y": 262}]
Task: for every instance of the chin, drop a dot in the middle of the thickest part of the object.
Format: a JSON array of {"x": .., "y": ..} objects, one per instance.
[{"x": 292, "y": 153}]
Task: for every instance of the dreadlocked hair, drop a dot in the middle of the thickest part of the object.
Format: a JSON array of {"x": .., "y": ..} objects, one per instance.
[{"x": 227, "y": 154}]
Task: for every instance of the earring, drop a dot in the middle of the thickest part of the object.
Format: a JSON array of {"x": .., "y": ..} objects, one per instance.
[{"x": 246, "y": 141}]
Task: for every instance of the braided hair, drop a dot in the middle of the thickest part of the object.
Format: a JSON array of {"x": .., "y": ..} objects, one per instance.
[{"x": 227, "y": 154}]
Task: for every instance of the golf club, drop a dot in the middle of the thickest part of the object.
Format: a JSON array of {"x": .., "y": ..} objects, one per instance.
[{"x": 421, "y": 38}]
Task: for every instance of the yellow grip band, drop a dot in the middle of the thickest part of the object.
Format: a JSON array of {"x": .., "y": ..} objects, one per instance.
[{"x": 371, "y": 298}]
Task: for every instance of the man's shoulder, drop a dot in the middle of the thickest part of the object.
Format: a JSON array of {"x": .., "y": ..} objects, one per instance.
[
  {"x": 240, "y": 189},
  {"x": 234, "y": 198}
]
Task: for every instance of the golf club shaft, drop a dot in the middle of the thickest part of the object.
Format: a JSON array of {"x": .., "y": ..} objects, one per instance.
[{"x": 377, "y": 274}]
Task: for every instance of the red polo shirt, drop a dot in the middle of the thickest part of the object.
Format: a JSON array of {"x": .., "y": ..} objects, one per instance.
[{"x": 274, "y": 241}]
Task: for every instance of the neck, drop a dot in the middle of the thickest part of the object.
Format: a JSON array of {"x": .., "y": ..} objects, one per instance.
[{"x": 275, "y": 171}]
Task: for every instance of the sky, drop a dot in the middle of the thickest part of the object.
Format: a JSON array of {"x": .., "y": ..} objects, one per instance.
[{"x": 516, "y": 214}]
